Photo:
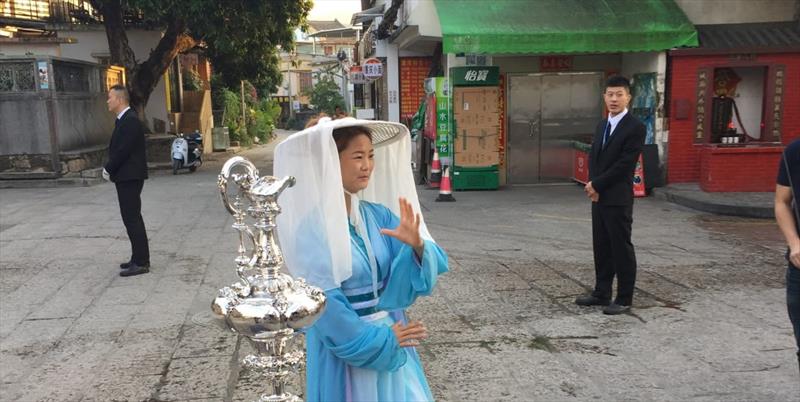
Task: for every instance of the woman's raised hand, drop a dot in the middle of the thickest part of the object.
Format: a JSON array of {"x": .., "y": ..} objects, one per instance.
[
  {"x": 408, "y": 229},
  {"x": 409, "y": 335}
]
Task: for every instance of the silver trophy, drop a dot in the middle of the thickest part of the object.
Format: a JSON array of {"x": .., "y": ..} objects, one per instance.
[{"x": 266, "y": 306}]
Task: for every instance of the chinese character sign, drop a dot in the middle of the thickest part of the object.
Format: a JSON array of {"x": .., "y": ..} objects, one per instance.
[
  {"x": 373, "y": 68},
  {"x": 475, "y": 76},
  {"x": 443, "y": 142}
]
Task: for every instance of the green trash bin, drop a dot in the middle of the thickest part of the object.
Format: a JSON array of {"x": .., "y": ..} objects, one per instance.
[{"x": 476, "y": 178}]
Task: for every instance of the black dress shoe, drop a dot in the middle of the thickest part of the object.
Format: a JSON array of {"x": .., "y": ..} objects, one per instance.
[
  {"x": 591, "y": 300},
  {"x": 134, "y": 269},
  {"x": 614, "y": 309},
  {"x": 125, "y": 265}
]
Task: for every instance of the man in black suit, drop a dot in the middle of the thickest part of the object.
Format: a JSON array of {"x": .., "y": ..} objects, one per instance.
[
  {"x": 127, "y": 168},
  {"x": 618, "y": 141}
]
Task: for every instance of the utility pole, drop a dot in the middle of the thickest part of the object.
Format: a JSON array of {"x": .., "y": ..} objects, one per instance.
[
  {"x": 289, "y": 77},
  {"x": 244, "y": 115}
]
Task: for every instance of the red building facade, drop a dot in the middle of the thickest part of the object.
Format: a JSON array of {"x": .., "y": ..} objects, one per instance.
[{"x": 732, "y": 111}]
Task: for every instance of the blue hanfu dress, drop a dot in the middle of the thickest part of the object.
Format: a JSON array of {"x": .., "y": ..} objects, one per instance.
[{"x": 353, "y": 354}]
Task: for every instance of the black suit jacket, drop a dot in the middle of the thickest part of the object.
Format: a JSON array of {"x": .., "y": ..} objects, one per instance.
[
  {"x": 126, "y": 152},
  {"x": 611, "y": 169}
]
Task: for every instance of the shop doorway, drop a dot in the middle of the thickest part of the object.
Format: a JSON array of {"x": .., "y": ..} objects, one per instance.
[{"x": 546, "y": 112}]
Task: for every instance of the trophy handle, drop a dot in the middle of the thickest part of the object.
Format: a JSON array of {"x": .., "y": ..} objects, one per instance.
[
  {"x": 245, "y": 262},
  {"x": 244, "y": 181}
]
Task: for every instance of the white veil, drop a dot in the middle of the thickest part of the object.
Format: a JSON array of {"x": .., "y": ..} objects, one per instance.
[{"x": 312, "y": 226}]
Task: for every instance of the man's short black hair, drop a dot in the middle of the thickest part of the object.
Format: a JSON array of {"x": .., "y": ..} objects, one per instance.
[
  {"x": 618, "y": 81},
  {"x": 122, "y": 92}
]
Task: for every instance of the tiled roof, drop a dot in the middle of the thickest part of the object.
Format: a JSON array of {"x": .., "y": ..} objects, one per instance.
[{"x": 753, "y": 35}]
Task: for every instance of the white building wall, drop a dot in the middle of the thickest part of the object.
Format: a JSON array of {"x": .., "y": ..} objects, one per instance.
[
  {"x": 423, "y": 14},
  {"x": 35, "y": 49},
  {"x": 93, "y": 43}
]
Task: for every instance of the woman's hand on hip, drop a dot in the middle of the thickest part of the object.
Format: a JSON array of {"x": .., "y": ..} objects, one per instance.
[{"x": 409, "y": 335}]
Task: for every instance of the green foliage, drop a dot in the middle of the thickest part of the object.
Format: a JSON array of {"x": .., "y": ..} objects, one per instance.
[
  {"x": 262, "y": 119},
  {"x": 241, "y": 38},
  {"x": 233, "y": 114},
  {"x": 191, "y": 81},
  {"x": 217, "y": 96},
  {"x": 326, "y": 95},
  {"x": 261, "y": 116}
]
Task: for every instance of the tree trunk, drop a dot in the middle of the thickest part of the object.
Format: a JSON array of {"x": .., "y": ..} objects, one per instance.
[{"x": 143, "y": 77}]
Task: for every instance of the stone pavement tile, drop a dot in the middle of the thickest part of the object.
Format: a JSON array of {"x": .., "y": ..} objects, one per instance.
[
  {"x": 17, "y": 365},
  {"x": 153, "y": 318},
  {"x": 615, "y": 377},
  {"x": 34, "y": 291},
  {"x": 129, "y": 295},
  {"x": 542, "y": 375},
  {"x": 475, "y": 361},
  {"x": 121, "y": 387},
  {"x": 139, "y": 358},
  {"x": 567, "y": 326},
  {"x": 185, "y": 265},
  {"x": 104, "y": 319},
  {"x": 14, "y": 249},
  {"x": 532, "y": 305},
  {"x": 74, "y": 296},
  {"x": 11, "y": 278},
  {"x": 456, "y": 389},
  {"x": 504, "y": 281},
  {"x": 487, "y": 314},
  {"x": 559, "y": 286},
  {"x": 35, "y": 335},
  {"x": 193, "y": 378},
  {"x": 767, "y": 306},
  {"x": 464, "y": 289},
  {"x": 664, "y": 289},
  {"x": 471, "y": 266},
  {"x": 201, "y": 341},
  {"x": 62, "y": 374},
  {"x": 68, "y": 249}
]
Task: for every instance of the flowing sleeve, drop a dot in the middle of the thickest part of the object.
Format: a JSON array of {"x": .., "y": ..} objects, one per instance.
[
  {"x": 358, "y": 343},
  {"x": 409, "y": 275}
]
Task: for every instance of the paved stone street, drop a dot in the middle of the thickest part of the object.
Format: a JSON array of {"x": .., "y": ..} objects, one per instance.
[{"x": 709, "y": 320}]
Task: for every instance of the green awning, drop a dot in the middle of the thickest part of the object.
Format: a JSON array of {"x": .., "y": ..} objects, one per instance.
[{"x": 563, "y": 26}]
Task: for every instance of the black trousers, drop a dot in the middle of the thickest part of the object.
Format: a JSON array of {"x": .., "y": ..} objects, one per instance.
[
  {"x": 130, "y": 207},
  {"x": 613, "y": 252}
]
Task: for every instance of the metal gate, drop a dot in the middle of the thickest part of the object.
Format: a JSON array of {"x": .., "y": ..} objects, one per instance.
[{"x": 546, "y": 112}]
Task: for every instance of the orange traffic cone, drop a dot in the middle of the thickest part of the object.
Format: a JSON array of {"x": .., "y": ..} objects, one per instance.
[
  {"x": 436, "y": 171},
  {"x": 446, "y": 190}
]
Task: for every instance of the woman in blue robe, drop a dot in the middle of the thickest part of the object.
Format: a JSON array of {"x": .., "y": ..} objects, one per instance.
[{"x": 362, "y": 347}]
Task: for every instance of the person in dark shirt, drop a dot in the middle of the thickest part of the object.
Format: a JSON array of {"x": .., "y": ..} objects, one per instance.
[{"x": 788, "y": 217}]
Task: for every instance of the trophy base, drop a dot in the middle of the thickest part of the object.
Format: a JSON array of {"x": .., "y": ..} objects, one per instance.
[{"x": 286, "y": 397}]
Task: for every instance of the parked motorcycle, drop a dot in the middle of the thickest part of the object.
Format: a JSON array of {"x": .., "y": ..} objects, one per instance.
[{"x": 187, "y": 151}]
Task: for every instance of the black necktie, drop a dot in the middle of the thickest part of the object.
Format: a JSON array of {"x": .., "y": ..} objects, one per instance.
[{"x": 606, "y": 134}]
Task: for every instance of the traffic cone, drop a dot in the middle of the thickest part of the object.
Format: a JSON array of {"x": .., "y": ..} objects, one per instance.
[
  {"x": 445, "y": 191},
  {"x": 436, "y": 171}
]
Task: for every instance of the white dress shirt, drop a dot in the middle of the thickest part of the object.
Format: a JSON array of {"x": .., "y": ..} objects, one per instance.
[
  {"x": 615, "y": 120},
  {"x": 119, "y": 116}
]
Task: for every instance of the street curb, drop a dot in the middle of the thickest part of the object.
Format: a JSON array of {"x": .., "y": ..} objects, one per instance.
[
  {"x": 720, "y": 208},
  {"x": 51, "y": 183},
  {"x": 89, "y": 180}
]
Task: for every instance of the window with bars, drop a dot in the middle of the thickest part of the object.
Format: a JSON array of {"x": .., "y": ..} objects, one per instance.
[
  {"x": 17, "y": 77},
  {"x": 306, "y": 82},
  {"x": 71, "y": 77}
]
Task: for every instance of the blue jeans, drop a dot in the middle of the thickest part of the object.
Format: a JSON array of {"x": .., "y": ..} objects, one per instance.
[{"x": 793, "y": 301}]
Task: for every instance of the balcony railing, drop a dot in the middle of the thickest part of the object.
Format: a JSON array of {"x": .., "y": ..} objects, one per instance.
[{"x": 58, "y": 11}]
